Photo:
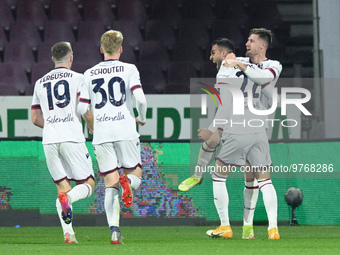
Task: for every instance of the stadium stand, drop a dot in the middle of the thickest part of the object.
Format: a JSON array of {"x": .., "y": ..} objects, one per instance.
[
  {"x": 13, "y": 80},
  {"x": 156, "y": 33},
  {"x": 99, "y": 11}
]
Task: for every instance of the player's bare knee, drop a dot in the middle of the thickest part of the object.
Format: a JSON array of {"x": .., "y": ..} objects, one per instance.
[{"x": 91, "y": 182}]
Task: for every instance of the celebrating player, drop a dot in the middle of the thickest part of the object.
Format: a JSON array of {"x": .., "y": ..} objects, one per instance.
[
  {"x": 109, "y": 87},
  {"x": 54, "y": 107},
  {"x": 263, "y": 72}
]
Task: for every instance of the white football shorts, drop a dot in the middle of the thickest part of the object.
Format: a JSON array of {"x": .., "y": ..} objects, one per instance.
[
  {"x": 68, "y": 160},
  {"x": 237, "y": 148},
  {"x": 120, "y": 154}
]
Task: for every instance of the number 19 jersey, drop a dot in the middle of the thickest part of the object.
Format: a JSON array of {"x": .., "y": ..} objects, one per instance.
[
  {"x": 56, "y": 95},
  {"x": 110, "y": 85}
]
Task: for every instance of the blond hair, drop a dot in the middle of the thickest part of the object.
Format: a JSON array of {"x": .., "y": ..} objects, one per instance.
[{"x": 111, "y": 41}]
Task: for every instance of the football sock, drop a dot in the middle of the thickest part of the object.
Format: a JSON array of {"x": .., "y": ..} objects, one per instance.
[
  {"x": 250, "y": 195},
  {"x": 112, "y": 206},
  {"x": 205, "y": 157},
  {"x": 270, "y": 201},
  {"x": 80, "y": 191},
  {"x": 66, "y": 227},
  {"x": 221, "y": 198},
  {"x": 135, "y": 181}
]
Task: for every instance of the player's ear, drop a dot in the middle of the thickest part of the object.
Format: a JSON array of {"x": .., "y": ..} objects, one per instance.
[
  {"x": 101, "y": 50},
  {"x": 121, "y": 49},
  {"x": 71, "y": 58},
  {"x": 53, "y": 59}
]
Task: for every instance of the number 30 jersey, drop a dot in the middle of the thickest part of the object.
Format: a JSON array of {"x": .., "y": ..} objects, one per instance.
[
  {"x": 109, "y": 86},
  {"x": 56, "y": 95}
]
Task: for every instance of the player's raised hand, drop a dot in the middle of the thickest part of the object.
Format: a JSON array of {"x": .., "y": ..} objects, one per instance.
[
  {"x": 231, "y": 63},
  {"x": 230, "y": 56}
]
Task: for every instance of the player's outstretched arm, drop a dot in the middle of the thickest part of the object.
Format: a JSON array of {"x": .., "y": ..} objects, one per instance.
[{"x": 254, "y": 73}]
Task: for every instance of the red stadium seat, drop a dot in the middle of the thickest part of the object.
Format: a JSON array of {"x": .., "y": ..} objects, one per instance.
[
  {"x": 6, "y": 17},
  {"x": 179, "y": 75},
  {"x": 44, "y": 52},
  {"x": 154, "y": 51},
  {"x": 152, "y": 78},
  {"x": 166, "y": 11},
  {"x": 25, "y": 31},
  {"x": 13, "y": 79},
  {"x": 32, "y": 11},
  {"x": 3, "y": 41},
  {"x": 157, "y": 30},
  {"x": 65, "y": 10},
  {"x": 20, "y": 54},
  {"x": 130, "y": 30},
  {"x": 39, "y": 70},
  {"x": 90, "y": 31},
  {"x": 133, "y": 11},
  {"x": 128, "y": 54},
  {"x": 186, "y": 52},
  {"x": 86, "y": 52},
  {"x": 99, "y": 11},
  {"x": 57, "y": 31}
]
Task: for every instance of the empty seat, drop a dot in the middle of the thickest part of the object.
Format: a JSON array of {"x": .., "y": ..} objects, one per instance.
[
  {"x": 90, "y": 31},
  {"x": 80, "y": 67},
  {"x": 225, "y": 29},
  {"x": 179, "y": 75},
  {"x": 39, "y": 70},
  {"x": 234, "y": 11},
  {"x": 44, "y": 52},
  {"x": 19, "y": 53},
  {"x": 209, "y": 70},
  {"x": 25, "y": 31},
  {"x": 13, "y": 79},
  {"x": 133, "y": 11},
  {"x": 153, "y": 51},
  {"x": 3, "y": 41},
  {"x": 267, "y": 16},
  {"x": 130, "y": 30},
  {"x": 199, "y": 9},
  {"x": 186, "y": 52},
  {"x": 86, "y": 52},
  {"x": 128, "y": 54},
  {"x": 32, "y": 11},
  {"x": 152, "y": 78},
  {"x": 57, "y": 31},
  {"x": 6, "y": 17},
  {"x": 193, "y": 32},
  {"x": 166, "y": 11},
  {"x": 65, "y": 10},
  {"x": 101, "y": 11},
  {"x": 157, "y": 30}
]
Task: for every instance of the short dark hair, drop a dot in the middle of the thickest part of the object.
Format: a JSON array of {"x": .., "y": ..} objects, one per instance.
[
  {"x": 226, "y": 43},
  {"x": 263, "y": 33},
  {"x": 60, "y": 50}
]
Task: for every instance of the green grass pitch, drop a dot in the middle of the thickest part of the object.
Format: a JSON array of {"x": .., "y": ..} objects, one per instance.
[{"x": 170, "y": 240}]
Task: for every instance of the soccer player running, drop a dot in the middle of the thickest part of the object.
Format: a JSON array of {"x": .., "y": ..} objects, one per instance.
[
  {"x": 108, "y": 90},
  {"x": 54, "y": 107},
  {"x": 264, "y": 72}
]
